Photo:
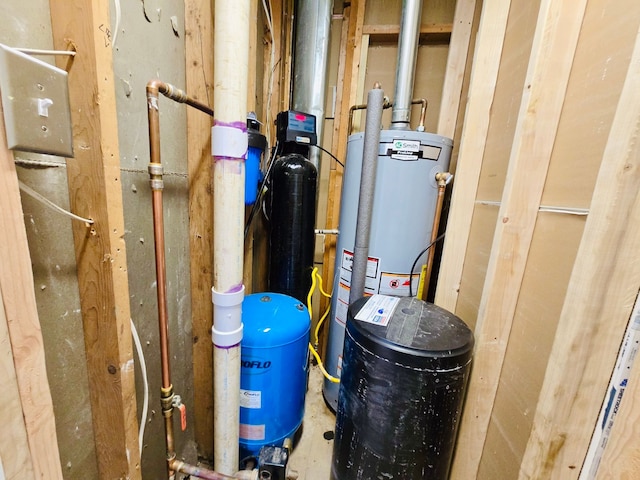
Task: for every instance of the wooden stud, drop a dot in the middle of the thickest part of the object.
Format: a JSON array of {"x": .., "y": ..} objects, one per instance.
[
  {"x": 484, "y": 74},
  {"x": 15, "y": 458},
  {"x": 456, "y": 65},
  {"x": 199, "y": 85},
  {"x": 95, "y": 192},
  {"x": 348, "y": 68},
  {"x": 599, "y": 300},
  {"x": 29, "y": 444},
  {"x": 545, "y": 86}
]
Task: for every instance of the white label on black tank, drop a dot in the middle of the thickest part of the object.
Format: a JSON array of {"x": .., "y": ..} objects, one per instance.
[{"x": 378, "y": 309}]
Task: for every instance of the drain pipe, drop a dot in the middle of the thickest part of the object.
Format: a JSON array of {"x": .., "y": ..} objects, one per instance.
[
  {"x": 169, "y": 400},
  {"x": 407, "y": 54},
  {"x": 375, "y": 103},
  {"x": 229, "y": 144}
]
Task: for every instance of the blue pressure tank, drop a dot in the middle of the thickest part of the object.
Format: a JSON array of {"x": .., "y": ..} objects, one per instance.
[{"x": 274, "y": 370}]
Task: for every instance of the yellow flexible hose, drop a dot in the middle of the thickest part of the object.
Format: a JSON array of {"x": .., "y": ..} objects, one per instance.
[{"x": 314, "y": 275}]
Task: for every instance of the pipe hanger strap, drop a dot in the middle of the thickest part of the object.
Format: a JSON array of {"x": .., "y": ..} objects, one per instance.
[{"x": 229, "y": 140}]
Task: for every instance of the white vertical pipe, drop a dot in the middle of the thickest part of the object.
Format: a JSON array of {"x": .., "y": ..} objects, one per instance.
[{"x": 229, "y": 149}]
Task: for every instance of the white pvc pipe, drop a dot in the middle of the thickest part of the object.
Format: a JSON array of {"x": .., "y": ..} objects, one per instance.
[{"x": 229, "y": 149}]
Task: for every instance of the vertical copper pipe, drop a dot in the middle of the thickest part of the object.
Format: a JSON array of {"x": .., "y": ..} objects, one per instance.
[
  {"x": 441, "y": 178},
  {"x": 157, "y": 184}
]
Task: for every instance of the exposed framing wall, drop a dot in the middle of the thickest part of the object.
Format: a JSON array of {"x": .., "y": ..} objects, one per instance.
[{"x": 522, "y": 266}]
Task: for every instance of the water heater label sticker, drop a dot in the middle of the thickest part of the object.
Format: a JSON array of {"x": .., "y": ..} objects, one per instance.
[
  {"x": 378, "y": 309},
  {"x": 252, "y": 432},
  {"x": 372, "y": 276},
  {"x": 343, "y": 303},
  {"x": 398, "y": 284},
  {"x": 250, "y": 398}
]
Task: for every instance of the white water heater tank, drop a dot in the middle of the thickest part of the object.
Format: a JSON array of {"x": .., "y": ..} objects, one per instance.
[{"x": 404, "y": 207}]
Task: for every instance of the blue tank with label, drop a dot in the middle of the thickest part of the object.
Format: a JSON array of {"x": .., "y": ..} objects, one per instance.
[{"x": 274, "y": 370}]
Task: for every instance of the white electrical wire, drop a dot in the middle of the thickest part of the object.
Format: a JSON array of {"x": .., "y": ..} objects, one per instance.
[
  {"x": 117, "y": 25},
  {"x": 50, "y": 204},
  {"x": 145, "y": 401}
]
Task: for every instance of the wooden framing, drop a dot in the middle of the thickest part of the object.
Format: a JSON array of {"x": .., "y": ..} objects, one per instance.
[
  {"x": 95, "y": 192},
  {"x": 199, "y": 85},
  {"x": 484, "y": 75},
  {"x": 552, "y": 54},
  {"x": 29, "y": 446},
  {"x": 601, "y": 293},
  {"x": 456, "y": 65},
  {"x": 348, "y": 67}
]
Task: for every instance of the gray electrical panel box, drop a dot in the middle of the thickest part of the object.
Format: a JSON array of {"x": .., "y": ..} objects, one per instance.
[{"x": 35, "y": 100}]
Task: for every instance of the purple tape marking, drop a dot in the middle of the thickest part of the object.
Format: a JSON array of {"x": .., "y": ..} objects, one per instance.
[
  {"x": 235, "y": 288},
  {"x": 239, "y": 125},
  {"x": 242, "y": 126}
]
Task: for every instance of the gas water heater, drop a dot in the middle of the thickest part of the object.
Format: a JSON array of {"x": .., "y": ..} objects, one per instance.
[{"x": 402, "y": 219}]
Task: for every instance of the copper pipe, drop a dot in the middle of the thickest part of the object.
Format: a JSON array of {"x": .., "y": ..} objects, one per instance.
[
  {"x": 175, "y": 94},
  {"x": 182, "y": 467},
  {"x": 363, "y": 106},
  {"x": 387, "y": 104},
  {"x": 442, "y": 179},
  {"x": 157, "y": 184},
  {"x": 423, "y": 111}
]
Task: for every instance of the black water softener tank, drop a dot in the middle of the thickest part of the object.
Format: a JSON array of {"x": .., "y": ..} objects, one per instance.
[{"x": 401, "y": 393}]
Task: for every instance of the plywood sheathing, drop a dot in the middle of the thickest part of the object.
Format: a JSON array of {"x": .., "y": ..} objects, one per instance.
[{"x": 95, "y": 192}]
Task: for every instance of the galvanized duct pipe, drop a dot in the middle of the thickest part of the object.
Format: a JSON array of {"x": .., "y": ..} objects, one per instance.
[
  {"x": 375, "y": 102},
  {"x": 229, "y": 144},
  {"x": 313, "y": 25},
  {"x": 407, "y": 55}
]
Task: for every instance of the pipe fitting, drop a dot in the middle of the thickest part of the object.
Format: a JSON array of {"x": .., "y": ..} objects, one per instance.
[
  {"x": 166, "y": 400},
  {"x": 227, "y": 317},
  {"x": 443, "y": 178}
]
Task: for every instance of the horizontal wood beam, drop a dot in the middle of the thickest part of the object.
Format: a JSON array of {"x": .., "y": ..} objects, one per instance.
[
  {"x": 429, "y": 33},
  {"x": 425, "y": 29}
]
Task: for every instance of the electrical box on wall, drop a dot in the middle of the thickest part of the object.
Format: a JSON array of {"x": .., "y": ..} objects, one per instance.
[{"x": 35, "y": 100}]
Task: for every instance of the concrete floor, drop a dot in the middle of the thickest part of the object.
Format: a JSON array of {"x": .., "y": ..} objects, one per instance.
[{"x": 311, "y": 457}]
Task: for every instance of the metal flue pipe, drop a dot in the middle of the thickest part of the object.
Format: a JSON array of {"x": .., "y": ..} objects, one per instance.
[
  {"x": 375, "y": 102},
  {"x": 313, "y": 25},
  {"x": 405, "y": 71},
  {"x": 229, "y": 144},
  {"x": 167, "y": 396}
]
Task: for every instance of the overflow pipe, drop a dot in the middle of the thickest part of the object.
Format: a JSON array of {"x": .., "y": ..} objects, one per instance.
[
  {"x": 375, "y": 101},
  {"x": 229, "y": 144},
  {"x": 154, "y": 87}
]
